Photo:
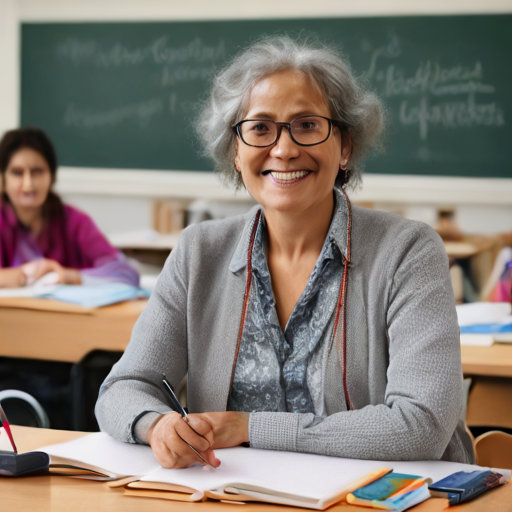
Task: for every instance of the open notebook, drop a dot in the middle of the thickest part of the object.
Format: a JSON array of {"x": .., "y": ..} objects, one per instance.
[{"x": 245, "y": 474}]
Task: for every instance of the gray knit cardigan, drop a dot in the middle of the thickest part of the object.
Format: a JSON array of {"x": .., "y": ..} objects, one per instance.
[{"x": 392, "y": 379}]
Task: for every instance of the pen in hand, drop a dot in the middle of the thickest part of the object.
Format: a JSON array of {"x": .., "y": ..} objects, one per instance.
[{"x": 176, "y": 406}]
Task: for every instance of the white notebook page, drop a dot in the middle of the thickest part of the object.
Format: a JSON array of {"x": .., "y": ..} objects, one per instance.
[
  {"x": 102, "y": 450},
  {"x": 312, "y": 476}
]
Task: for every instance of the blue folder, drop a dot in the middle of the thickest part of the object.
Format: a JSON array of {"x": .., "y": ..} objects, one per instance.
[{"x": 94, "y": 296}]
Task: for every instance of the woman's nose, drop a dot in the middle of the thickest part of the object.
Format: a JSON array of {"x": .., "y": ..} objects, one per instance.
[
  {"x": 285, "y": 148},
  {"x": 27, "y": 181}
]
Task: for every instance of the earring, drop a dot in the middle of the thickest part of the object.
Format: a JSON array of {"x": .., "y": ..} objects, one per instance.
[{"x": 346, "y": 175}]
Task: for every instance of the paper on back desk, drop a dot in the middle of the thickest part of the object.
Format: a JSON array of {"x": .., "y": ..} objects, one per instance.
[
  {"x": 482, "y": 313},
  {"x": 92, "y": 296},
  {"x": 308, "y": 475},
  {"x": 102, "y": 450}
]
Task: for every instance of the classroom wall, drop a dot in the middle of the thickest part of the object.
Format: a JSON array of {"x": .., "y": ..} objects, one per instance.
[{"x": 123, "y": 200}]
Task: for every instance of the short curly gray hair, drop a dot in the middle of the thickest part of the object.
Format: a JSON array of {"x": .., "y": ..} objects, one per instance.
[{"x": 350, "y": 100}]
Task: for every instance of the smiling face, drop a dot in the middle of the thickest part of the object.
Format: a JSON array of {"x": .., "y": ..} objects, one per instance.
[
  {"x": 287, "y": 177},
  {"x": 27, "y": 179}
]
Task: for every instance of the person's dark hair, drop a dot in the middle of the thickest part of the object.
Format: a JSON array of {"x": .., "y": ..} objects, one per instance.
[{"x": 36, "y": 139}]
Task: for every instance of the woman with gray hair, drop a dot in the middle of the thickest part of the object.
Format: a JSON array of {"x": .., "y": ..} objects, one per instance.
[{"x": 307, "y": 324}]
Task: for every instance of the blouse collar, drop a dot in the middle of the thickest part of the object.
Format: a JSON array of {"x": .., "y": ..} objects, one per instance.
[{"x": 338, "y": 234}]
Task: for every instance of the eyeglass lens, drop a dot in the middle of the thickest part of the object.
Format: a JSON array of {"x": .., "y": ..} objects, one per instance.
[{"x": 307, "y": 130}]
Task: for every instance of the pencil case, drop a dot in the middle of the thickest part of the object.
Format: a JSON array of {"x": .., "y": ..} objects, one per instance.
[
  {"x": 18, "y": 464},
  {"x": 463, "y": 486}
]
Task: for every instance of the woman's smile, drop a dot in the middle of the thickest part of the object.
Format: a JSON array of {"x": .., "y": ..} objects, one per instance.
[{"x": 288, "y": 177}]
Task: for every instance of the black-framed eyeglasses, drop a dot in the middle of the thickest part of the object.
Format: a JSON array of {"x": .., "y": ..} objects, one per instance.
[{"x": 304, "y": 131}]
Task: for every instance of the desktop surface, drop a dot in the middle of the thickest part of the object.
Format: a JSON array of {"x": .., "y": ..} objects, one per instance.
[
  {"x": 54, "y": 494},
  {"x": 55, "y": 331}
]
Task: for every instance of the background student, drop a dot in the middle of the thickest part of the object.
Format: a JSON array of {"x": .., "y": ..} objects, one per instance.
[{"x": 39, "y": 234}]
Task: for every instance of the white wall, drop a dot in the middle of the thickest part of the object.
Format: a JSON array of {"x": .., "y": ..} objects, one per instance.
[
  {"x": 483, "y": 205},
  {"x": 9, "y": 64}
]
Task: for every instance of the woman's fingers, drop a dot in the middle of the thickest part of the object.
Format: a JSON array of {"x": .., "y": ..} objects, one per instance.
[
  {"x": 172, "y": 452},
  {"x": 43, "y": 267},
  {"x": 209, "y": 455},
  {"x": 190, "y": 436},
  {"x": 171, "y": 439},
  {"x": 201, "y": 426}
]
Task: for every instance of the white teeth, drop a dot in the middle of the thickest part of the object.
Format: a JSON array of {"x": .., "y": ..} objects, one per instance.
[{"x": 285, "y": 176}]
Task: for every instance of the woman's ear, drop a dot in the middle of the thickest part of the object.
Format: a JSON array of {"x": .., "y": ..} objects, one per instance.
[
  {"x": 237, "y": 163},
  {"x": 346, "y": 149}
]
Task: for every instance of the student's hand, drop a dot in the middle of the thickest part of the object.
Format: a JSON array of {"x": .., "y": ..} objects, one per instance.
[
  {"x": 12, "y": 277},
  {"x": 167, "y": 436},
  {"x": 37, "y": 269},
  {"x": 229, "y": 428}
]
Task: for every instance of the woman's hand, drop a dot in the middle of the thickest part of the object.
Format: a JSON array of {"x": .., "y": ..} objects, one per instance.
[
  {"x": 12, "y": 277},
  {"x": 228, "y": 429},
  {"x": 168, "y": 437},
  {"x": 37, "y": 269}
]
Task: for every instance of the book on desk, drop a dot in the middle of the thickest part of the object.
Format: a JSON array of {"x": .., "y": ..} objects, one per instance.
[
  {"x": 246, "y": 474},
  {"x": 483, "y": 323}
]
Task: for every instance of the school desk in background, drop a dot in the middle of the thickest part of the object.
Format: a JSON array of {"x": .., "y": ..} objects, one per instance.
[
  {"x": 483, "y": 323},
  {"x": 66, "y": 346}
]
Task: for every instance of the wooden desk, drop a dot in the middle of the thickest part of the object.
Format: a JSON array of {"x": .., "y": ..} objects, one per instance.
[
  {"x": 51, "y": 330},
  {"x": 490, "y": 397},
  {"x": 63, "y": 332},
  {"x": 495, "y": 361},
  {"x": 55, "y": 494}
]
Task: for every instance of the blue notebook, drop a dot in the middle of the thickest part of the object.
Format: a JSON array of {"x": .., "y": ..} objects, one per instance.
[
  {"x": 94, "y": 296},
  {"x": 487, "y": 328}
]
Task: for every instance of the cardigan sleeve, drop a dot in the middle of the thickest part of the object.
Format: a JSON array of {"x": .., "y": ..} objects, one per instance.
[
  {"x": 158, "y": 347},
  {"x": 423, "y": 398}
]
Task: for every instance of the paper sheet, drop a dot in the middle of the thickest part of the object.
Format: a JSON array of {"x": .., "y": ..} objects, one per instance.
[
  {"x": 483, "y": 313},
  {"x": 312, "y": 476},
  {"x": 477, "y": 340},
  {"x": 102, "y": 450},
  {"x": 26, "y": 291}
]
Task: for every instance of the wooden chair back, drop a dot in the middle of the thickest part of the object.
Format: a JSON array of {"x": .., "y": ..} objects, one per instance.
[{"x": 494, "y": 449}]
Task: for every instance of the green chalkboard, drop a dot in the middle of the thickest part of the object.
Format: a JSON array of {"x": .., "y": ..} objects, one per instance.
[{"x": 122, "y": 95}]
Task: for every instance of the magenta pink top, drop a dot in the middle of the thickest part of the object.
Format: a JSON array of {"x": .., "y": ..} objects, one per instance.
[{"x": 72, "y": 239}]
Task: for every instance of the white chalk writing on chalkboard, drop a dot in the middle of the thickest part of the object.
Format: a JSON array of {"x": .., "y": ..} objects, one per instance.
[
  {"x": 79, "y": 52},
  {"x": 171, "y": 75},
  {"x": 450, "y": 114},
  {"x": 431, "y": 82},
  {"x": 142, "y": 112},
  {"x": 424, "y": 92},
  {"x": 434, "y": 79}
]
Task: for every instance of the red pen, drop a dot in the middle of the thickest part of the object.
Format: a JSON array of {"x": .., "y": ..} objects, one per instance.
[{"x": 5, "y": 423}]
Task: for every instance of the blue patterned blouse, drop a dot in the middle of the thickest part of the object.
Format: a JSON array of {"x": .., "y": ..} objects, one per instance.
[{"x": 280, "y": 371}]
